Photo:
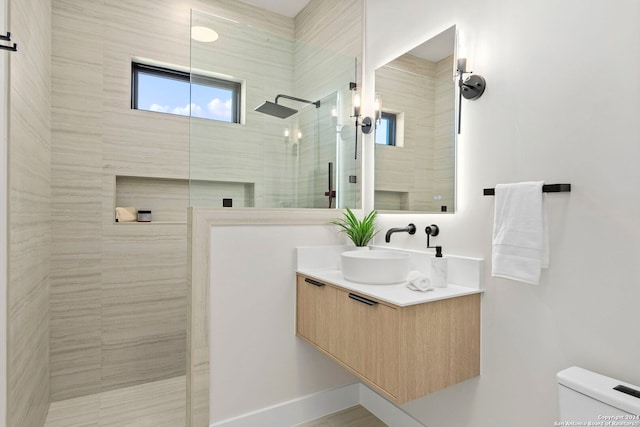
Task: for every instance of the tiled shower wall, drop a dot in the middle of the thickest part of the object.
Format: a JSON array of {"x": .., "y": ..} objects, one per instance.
[
  {"x": 325, "y": 63},
  {"x": 444, "y": 151},
  {"x": 284, "y": 171},
  {"x": 425, "y": 165},
  {"x": 29, "y": 223},
  {"x": 118, "y": 290},
  {"x": 252, "y": 154}
]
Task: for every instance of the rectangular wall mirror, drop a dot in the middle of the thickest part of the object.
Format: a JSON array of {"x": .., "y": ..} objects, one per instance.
[{"x": 415, "y": 165}]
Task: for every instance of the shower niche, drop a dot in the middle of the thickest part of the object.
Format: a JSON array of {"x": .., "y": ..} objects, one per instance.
[
  {"x": 295, "y": 143},
  {"x": 168, "y": 198}
]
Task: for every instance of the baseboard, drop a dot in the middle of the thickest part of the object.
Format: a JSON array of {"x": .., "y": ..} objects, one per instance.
[
  {"x": 298, "y": 410},
  {"x": 384, "y": 410},
  {"x": 310, "y": 407}
]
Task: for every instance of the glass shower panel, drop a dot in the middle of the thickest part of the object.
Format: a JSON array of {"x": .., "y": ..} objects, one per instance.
[{"x": 266, "y": 160}]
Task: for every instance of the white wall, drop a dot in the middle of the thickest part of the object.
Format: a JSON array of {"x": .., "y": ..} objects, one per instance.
[
  {"x": 560, "y": 106},
  {"x": 256, "y": 359}
]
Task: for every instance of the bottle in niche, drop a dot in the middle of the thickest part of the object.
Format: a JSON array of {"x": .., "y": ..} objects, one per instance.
[
  {"x": 144, "y": 216},
  {"x": 439, "y": 269}
]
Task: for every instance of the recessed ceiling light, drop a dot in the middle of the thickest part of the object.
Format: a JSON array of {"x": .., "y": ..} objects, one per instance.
[{"x": 203, "y": 34}]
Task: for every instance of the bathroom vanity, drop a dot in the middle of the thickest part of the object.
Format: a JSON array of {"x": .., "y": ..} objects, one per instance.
[{"x": 401, "y": 343}]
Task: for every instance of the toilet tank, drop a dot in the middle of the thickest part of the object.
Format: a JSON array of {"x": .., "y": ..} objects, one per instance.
[{"x": 590, "y": 399}]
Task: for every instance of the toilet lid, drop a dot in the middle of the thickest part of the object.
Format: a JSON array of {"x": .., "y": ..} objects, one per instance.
[{"x": 601, "y": 388}]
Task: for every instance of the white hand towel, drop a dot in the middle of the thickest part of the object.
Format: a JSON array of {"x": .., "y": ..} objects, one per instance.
[
  {"x": 520, "y": 242},
  {"x": 417, "y": 281}
]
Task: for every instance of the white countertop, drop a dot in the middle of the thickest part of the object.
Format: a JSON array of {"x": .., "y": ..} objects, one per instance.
[{"x": 398, "y": 294}]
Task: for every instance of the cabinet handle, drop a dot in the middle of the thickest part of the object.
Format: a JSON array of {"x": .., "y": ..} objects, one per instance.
[
  {"x": 362, "y": 300},
  {"x": 314, "y": 282}
]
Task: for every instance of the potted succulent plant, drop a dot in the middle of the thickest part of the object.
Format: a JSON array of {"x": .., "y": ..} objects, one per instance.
[{"x": 359, "y": 231}]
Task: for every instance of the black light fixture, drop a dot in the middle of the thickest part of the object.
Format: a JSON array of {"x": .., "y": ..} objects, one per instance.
[
  {"x": 471, "y": 88},
  {"x": 365, "y": 123}
]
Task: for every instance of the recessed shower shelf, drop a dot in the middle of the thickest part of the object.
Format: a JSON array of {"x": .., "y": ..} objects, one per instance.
[
  {"x": 152, "y": 222},
  {"x": 168, "y": 198}
]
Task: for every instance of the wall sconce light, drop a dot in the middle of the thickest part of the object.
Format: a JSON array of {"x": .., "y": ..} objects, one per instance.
[
  {"x": 377, "y": 108},
  {"x": 471, "y": 88},
  {"x": 286, "y": 135},
  {"x": 365, "y": 123},
  {"x": 299, "y": 136}
]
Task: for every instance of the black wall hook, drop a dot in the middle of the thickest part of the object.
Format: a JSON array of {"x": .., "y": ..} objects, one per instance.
[{"x": 7, "y": 38}]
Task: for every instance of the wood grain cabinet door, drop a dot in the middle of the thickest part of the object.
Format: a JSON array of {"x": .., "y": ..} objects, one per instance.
[
  {"x": 369, "y": 340},
  {"x": 315, "y": 312}
]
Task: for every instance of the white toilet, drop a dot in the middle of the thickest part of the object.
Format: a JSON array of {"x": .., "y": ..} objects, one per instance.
[{"x": 589, "y": 399}]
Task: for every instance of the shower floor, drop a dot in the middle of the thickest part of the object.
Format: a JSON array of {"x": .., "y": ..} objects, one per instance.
[{"x": 156, "y": 404}]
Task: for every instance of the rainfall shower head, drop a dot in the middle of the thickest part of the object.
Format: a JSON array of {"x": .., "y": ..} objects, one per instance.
[
  {"x": 275, "y": 110},
  {"x": 280, "y": 111}
]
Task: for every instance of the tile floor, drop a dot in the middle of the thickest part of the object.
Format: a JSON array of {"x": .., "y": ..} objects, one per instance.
[
  {"x": 162, "y": 404},
  {"x": 356, "y": 416}
]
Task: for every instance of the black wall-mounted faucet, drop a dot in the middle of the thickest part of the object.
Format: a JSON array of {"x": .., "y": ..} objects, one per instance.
[{"x": 411, "y": 229}]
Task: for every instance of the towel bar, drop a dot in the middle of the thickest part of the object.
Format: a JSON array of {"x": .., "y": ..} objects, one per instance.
[{"x": 547, "y": 188}]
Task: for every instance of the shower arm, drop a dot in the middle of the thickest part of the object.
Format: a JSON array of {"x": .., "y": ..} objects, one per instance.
[{"x": 317, "y": 103}]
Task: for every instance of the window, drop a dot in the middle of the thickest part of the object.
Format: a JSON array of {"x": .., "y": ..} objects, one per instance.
[
  {"x": 177, "y": 92},
  {"x": 386, "y": 129}
]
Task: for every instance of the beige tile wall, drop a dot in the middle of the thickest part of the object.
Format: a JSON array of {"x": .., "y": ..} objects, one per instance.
[
  {"x": 118, "y": 290},
  {"x": 408, "y": 178},
  {"x": 328, "y": 42},
  {"x": 252, "y": 153},
  {"x": 444, "y": 170},
  {"x": 76, "y": 183},
  {"x": 29, "y": 224},
  {"x": 407, "y": 85},
  {"x": 319, "y": 63}
]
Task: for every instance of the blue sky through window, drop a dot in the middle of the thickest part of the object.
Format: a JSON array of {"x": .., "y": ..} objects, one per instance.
[
  {"x": 382, "y": 132},
  {"x": 167, "y": 95}
]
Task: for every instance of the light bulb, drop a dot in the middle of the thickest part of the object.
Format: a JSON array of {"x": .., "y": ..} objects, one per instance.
[
  {"x": 356, "y": 105},
  {"x": 203, "y": 34}
]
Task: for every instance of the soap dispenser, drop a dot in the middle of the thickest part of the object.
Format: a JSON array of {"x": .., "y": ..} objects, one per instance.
[
  {"x": 438, "y": 262},
  {"x": 439, "y": 269}
]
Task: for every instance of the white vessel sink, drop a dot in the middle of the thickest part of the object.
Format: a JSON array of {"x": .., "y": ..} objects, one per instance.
[{"x": 375, "y": 267}]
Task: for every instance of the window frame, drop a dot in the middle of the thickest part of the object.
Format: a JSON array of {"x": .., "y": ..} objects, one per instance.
[{"x": 185, "y": 76}]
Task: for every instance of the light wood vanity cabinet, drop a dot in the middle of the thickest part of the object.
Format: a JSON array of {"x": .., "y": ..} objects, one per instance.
[{"x": 402, "y": 352}]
